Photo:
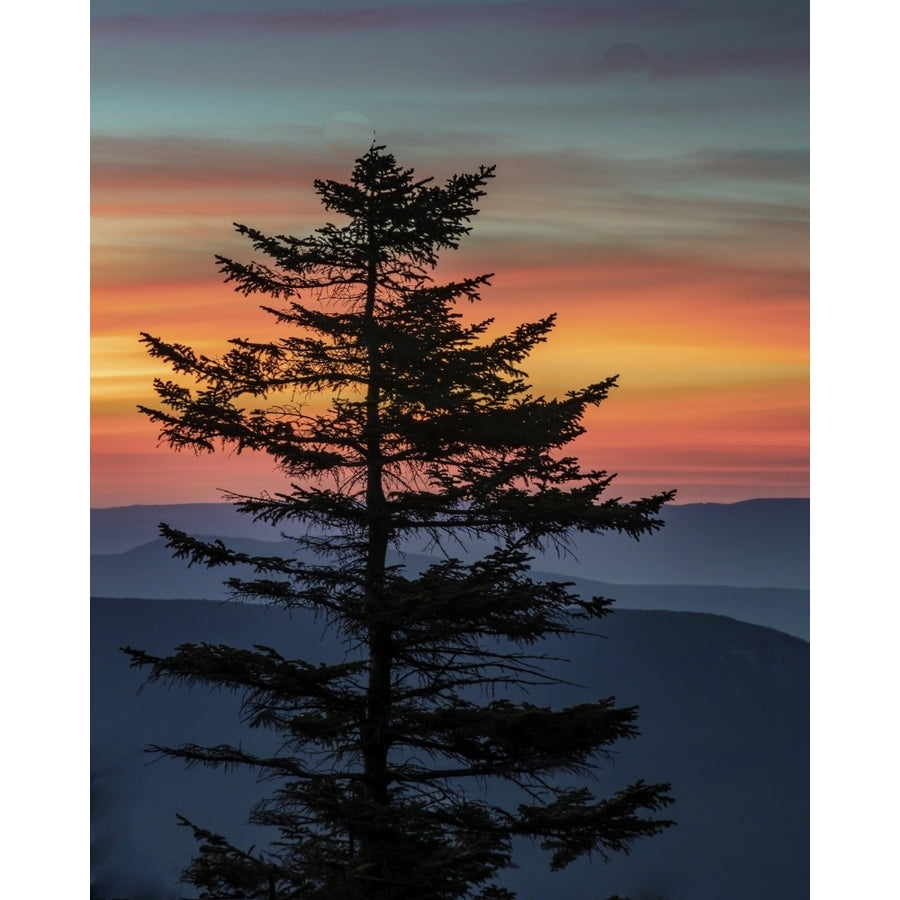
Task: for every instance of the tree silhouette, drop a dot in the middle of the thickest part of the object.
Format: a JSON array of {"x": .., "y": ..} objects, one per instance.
[{"x": 430, "y": 433}]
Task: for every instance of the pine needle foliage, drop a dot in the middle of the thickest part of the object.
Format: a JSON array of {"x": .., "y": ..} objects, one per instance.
[{"x": 395, "y": 419}]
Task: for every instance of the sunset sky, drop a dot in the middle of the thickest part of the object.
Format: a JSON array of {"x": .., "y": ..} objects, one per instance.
[{"x": 651, "y": 189}]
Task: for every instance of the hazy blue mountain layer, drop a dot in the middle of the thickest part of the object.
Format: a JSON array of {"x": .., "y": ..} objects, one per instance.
[
  {"x": 149, "y": 571},
  {"x": 724, "y": 715},
  {"x": 756, "y": 543}
]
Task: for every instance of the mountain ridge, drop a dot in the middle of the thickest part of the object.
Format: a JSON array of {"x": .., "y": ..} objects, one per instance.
[
  {"x": 752, "y": 543},
  {"x": 150, "y": 572},
  {"x": 724, "y": 711}
]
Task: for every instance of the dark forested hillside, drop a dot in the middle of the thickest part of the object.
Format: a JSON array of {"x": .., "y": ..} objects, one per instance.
[{"x": 723, "y": 711}]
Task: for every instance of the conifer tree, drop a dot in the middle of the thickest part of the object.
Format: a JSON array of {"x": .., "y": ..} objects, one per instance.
[{"x": 430, "y": 432}]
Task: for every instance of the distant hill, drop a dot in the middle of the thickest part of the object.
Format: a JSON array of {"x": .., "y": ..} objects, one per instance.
[
  {"x": 724, "y": 711},
  {"x": 755, "y": 543},
  {"x": 119, "y": 528},
  {"x": 149, "y": 571}
]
